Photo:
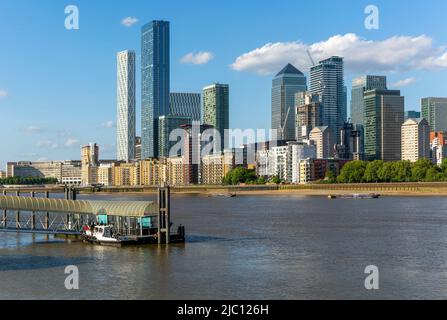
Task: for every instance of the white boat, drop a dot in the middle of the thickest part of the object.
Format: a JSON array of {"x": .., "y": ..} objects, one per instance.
[{"x": 100, "y": 234}]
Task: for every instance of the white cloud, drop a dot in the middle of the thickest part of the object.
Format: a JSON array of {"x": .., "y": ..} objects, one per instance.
[
  {"x": 42, "y": 159},
  {"x": 34, "y": 129},
  {"x": 3, "y": 93},
  {"x": 47, "y": 144},
  {"x": 129, "y": 21},
  {"x": 398, "y": 53},
  {"x": 71, "y": 143},
  {"x": 109, "y": 124},
  {"x": 404, "y": 82},
  {"x": 197, "y": 58}
]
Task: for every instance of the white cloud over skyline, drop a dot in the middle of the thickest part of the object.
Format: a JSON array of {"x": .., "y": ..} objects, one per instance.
[
  {"x": 198, "y": 58},
  {"x": 394, "y": 54},
  {"x": 129, "y": 21},
  {"x": 403, "y": 82}
]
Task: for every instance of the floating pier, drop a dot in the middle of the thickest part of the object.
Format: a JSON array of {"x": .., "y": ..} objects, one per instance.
[{"x": 140, "y": 222}]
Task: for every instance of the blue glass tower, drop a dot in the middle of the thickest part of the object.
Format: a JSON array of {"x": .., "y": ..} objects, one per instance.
[{"x": 155, "y": 80}]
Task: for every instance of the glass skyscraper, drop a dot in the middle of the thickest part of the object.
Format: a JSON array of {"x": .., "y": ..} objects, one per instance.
[
  {"x": 216, "y": 111},
  {"x": 434, "y": 110},
  {"x": 155, "y": 83},
  {"x": 125, "y": 106},
  {"x": 359, "y": 86},
  {"x": 384, "y": 116},
  {"x": 286, "y": 84},
  {"x": 327, "y": 81},
  {"x": 186, "y": 104}
]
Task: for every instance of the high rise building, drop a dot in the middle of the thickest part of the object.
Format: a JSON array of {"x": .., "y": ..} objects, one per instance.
[
  {"x": 288, "y": 82},
  {"x": 186, "y": 105},
  {"x": 327, "y": 81},
  {"x": 137, "y": 148},
  {"x": 359, "y": 86},
  {"x": 384, "y": 116},
  {"x": 155, "y": 83},
  {"x": 434, "y": 110},
  {"x": 308, "y": 114},
  {"x": 412, "y": 115},
  {"x": 415, "y": 140},
  {"x": 89, "y": 164},
  {"x": 125, "y": 106},
  {"x": 216, "y": 111},
  {"x": 167, "y": 125},
  {"x": 323, "y": 138}
]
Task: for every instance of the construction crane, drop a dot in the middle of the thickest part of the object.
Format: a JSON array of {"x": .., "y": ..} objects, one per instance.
[{"x": 310, "y": 58}]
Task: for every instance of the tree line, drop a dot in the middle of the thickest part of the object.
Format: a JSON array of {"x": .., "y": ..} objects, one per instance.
[
  {"x": 399, "y": 171},
  {"x": 27, "y": 181}
]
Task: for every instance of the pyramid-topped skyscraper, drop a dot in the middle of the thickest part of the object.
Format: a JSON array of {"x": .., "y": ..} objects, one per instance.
[{"x": 288, "y": 82}]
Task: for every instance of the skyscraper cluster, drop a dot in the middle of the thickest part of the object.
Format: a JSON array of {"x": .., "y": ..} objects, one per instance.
[{"x": 162, "y": 111}]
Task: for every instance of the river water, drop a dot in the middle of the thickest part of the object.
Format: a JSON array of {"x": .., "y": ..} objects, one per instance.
[{"x": 250, "y": 247}]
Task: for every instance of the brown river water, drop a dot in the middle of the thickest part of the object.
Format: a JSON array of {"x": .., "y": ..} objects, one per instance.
[{"x": 249, "y": 247}]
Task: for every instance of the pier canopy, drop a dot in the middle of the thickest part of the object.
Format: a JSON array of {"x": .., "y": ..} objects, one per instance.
[{"x": 111, "y": 208}]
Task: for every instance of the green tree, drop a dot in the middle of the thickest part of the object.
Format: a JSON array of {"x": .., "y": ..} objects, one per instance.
[
  {"x": 331, "y": 176},
  {"x": 387, "y": 172},
  {"x": 420, "y": 169},
  {"x": 402, "y": 171},
  {"x": 372, "y": 171},
  {"x": 240, "y": 175},
  {"x": 352, "y": 172}
]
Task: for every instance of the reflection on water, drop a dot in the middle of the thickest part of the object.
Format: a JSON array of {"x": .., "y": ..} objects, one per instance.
[{"x": 249, "y": 248}]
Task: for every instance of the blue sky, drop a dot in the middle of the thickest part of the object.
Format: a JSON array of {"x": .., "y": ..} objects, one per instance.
[{"x": 58, "y": 87}]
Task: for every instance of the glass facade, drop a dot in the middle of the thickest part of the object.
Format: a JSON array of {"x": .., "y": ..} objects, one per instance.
[
  {"x": 167, "y": 124},
  {"x": 434, "y": 110},
  {"x": 327, "y": 81},
  {"x": 216, "y": 110},
  {"x": 155, "y": 83},
  {"x": 186, "y": 104},
  {"x": 286, "y": 84},
  {"x": 126, "y": 106}
]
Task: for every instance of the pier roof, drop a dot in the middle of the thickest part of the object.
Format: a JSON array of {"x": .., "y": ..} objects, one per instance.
[{"x": 110, "y": 208}]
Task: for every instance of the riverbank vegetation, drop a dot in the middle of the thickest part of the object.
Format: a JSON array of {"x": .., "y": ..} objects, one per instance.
[{"x": 386, "y": 172}]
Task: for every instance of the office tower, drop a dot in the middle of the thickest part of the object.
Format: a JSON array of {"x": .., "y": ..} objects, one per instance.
[
  {"x": 359, "y": 86},
  {"x": 216, "y": 112},
  {"x": 89, "y": 164},
  {"x": 327, "y": 81},
  {"x": 324, "y": 140},
  {"x": 137, "y": 148},
  {"x": 155, "y": 83},
  {"x": 434, "y": 110},
  {"x": 415, "y": 140},
  {"x": 192, "y": 152},
  {"x": 412, "y": 115},
  {"x": 285, "y": 85},
  {"x": 167, "y": 126},
  {"x": 186, "y": 105},
  {"x": 125, "y": 106},
  {"x": 308, "y": 114},
  {"x": 384, "y": 116}
]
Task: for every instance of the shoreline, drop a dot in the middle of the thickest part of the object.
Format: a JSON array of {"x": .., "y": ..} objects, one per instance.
[{"x": 424, "y": 189}]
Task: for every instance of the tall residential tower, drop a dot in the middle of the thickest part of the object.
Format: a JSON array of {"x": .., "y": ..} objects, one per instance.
[
  {"x": 327, "y": 81},
  {"x": 216, "y": 111},
  {"x": 125, "y": 106},
  {"x": 155, "y": 83}
]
